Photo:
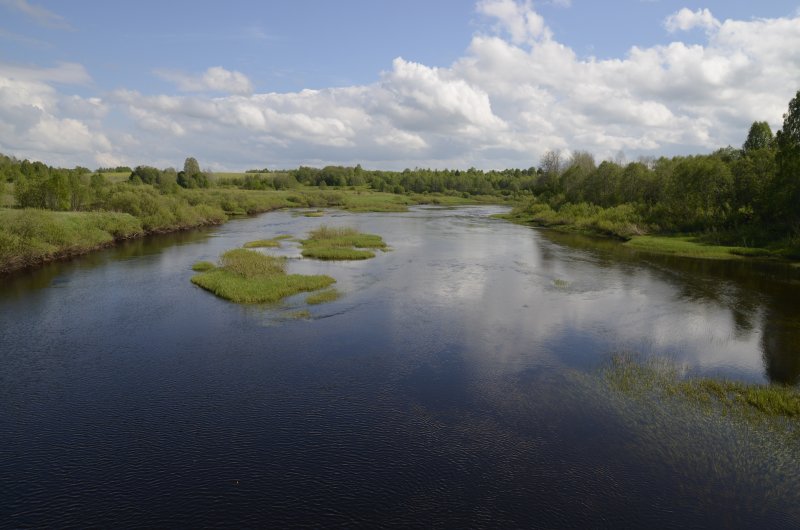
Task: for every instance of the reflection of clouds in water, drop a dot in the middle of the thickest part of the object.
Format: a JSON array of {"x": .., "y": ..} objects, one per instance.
[
  {"x": 506, "y": 298},
  {"x": 516, "y": 300}
]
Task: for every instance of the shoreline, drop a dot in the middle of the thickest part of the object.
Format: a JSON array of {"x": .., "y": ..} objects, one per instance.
[{"x": 677, "y": 245}]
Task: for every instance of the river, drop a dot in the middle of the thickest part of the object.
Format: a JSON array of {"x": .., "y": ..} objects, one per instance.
[{"x": 457, "y": 382}]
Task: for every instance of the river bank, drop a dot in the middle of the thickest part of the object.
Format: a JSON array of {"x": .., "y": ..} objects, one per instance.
[
  {"x": 619, "y": 224},
  {"x": 32, "y": 237}
]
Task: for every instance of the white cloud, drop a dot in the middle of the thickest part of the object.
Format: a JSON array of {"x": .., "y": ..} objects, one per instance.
[
  {"x": 36, "y": 121},
  {"x": 40, "y": 14},
  {"x": 519, "y": 20},
  {"x": 686, "y": 19},
  {"x": 514, "y": 94},
  {"x": 215, "y": 79}
]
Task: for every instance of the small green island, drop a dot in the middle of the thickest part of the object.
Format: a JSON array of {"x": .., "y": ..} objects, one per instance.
[
  {"x": 248, "y": 276},
  {"x": 341, "y": 243}
]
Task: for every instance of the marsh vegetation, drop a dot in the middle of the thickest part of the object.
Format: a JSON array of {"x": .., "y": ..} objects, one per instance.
[
  {"x": 341, "y": 243},
  {"x": 250, "y": 277}
]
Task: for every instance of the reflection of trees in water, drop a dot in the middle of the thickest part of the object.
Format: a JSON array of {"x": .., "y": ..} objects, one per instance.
[
  {"x": 19, "y": 284},
  {"x": 780, "y": 347},
  {"x": 757, "y": 294}
]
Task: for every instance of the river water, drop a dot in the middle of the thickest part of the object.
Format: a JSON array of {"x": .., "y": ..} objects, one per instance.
[{"x": 457, "y": 382}]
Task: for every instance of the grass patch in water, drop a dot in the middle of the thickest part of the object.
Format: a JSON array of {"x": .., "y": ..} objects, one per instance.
[
  {"x": 328, "y": 295},
  {"x": 317, "y": 213},
  {"x": 203, "y": 266},
  {"x": 305, "y": 314},
  {"x": 263, "y": 243},
  {"x": 340, "y": 243},
  {"x": 249, "y": 277},
  {"x": 561, "y": 284},
  {"x": 661, "y": 377},
  {"x": 692, "y": 247}
]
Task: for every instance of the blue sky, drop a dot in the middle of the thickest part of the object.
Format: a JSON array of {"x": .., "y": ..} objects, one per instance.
[{"x": 152, "y": 82}]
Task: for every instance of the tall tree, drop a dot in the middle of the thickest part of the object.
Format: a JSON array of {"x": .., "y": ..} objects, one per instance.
[
  {"x": 759, "y": 137},
  {"x": 191, "y": 167},
  {"x": 785, "y": 192}
]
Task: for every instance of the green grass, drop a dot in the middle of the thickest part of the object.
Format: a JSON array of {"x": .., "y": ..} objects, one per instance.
[
  {"x": 316, "y": 213},
  {"x": 662, "y": 379},
  {"x": 692, "y": 247},
  {"x": 342, "y": 243},
  {"x": 31, "y": 237},
  {"x": 263, "y": 243},
  {"x": 321, "y": 297},
  {"x": 203, "y": 266},
  {"x": 249, "y": 277},
  {"x": 304, "y": 314}
]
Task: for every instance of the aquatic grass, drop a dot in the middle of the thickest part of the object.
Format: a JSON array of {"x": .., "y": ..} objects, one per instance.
[
  {"x": 328, "y": 295},
  {"x": 249, "y": 277},
  {"x": 262, "y": 243},
  {"x": 305, "y": 314},
  {"x": 251, "y": 264},
  {"x": 691, "y": 247},
  {"x": 203, "y": 266},
  {"x": 663, "y": 377},
  {"x": 336, "y": 254},
  {"x": 316, "y": 213},
  {"x": 561, "y": 284},
  {"x": 340, "y": 243}
]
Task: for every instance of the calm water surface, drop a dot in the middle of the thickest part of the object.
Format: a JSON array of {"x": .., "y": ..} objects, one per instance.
[{"x": 456, "y": 383}]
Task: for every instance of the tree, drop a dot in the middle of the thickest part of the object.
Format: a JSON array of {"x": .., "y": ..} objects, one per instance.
[
  {"x": 191, "y": 167},
  {"x": 759, "y": 137},
  {"x": 785, "y": 191},
  {"x": 551, "y": 167}
]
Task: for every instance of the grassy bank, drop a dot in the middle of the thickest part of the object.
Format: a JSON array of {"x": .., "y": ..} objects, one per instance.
[
  {"x": 29, "y": 237},
  {"x": 625, "y": 224},
  {"x": 32, "y": 237},
  {"x": 693, "y": 247},
  {"x": 327, "y": 243},
  {"x": 621, "y": 222},
  {"x": 249, "y": 277}
]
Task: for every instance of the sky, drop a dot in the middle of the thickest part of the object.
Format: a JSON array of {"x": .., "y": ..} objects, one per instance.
[{"x": 491, "y": 84}]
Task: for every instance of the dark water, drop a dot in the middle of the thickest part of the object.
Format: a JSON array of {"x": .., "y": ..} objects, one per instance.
[{"x": 454, "y": 384}]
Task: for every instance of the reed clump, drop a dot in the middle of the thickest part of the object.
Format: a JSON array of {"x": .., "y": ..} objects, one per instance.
[
  {"x": 249, "y": 277},
  {"x": 341, "y": 243}
]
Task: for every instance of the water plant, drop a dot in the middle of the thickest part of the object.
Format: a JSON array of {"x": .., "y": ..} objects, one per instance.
[
  {"x": 340, "y": 243},
  {"x": 249, "y": 277},
  {"x": 203, "y": 266},
  {"x": 263, "y": 243},
  {"x": 329, "y": 295},
  {"x": 663, "y": 379}
]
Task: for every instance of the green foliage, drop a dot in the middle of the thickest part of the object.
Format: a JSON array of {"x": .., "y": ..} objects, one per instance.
[
  {"x": 785, "y": 189},
  {"x": 29, "y": 237},
  {"x": 759, "y": 137}
]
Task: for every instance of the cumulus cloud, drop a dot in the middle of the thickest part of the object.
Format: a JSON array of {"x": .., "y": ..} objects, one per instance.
[
  {"x": 516, "y": 93},
  {"x": 36, "y": 121},
  {"x": 686, "y": 19},
  {"x": 519, "y": 20},
  {"x": 215, "y": 79}
]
